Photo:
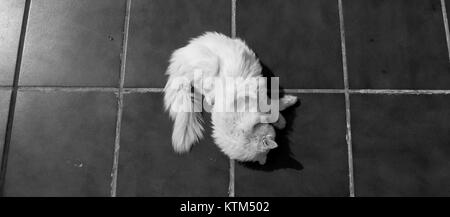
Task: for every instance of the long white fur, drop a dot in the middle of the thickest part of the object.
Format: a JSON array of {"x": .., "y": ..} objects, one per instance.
[{"x": 214, "y": 55}]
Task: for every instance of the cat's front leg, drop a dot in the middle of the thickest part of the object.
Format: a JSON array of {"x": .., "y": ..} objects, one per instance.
[
  {"x": 261, "y": 159},
  {"x": 281, "y": 123},
  {"x": 285, "y": 102}
]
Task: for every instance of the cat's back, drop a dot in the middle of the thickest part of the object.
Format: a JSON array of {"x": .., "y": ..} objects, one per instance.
[
  {"x": 236, "y": 58},
  {"x": 220, "y": 43}
]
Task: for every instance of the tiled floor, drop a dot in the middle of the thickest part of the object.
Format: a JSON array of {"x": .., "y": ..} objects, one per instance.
[
  {"x": 62, "y": 144},
  {"x": 372, "y": 76}
]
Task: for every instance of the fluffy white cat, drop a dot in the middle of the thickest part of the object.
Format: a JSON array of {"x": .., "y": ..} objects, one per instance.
[{"x": 200, "y": 70}]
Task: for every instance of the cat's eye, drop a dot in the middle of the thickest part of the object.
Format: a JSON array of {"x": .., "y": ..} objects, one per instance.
[
  {"x": 264, "y": 141},
  {"x": 265, "y": 138}
]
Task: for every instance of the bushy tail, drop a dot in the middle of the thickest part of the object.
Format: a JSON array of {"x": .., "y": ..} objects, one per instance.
[
  {"x": 187, "y": 127},
  {"x": 179, "y": 100}
]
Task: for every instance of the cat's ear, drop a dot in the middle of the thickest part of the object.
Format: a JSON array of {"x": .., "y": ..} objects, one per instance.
[{"x": 269, "y": 143}]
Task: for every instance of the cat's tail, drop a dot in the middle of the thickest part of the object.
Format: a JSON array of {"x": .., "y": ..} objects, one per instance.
[
  {"x": 182, "y": 99},
  {"x": 183, "y": 108}
]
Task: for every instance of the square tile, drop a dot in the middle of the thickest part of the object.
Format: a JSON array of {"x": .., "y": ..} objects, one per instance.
[
  {"x": 159, "y": 27},
  {"x": 73, "y": 43},
  {"x": 401, "y": 145},
  {"x": 311, "y": 159},
  {"x": 4, "y": 110},
  {"x": 299, "y": 40},
  {"x": 148, "y": 166},
  {"x": 11, "y": 14},
  {"x": 396, "y": 44},
  {"x": 62, "y": 144}
]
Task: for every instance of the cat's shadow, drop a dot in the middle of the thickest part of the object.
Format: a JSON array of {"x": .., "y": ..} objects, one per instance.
[{"x": 282, "y": 156}]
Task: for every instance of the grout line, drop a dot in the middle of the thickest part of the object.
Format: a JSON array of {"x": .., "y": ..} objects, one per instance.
[
  {"x": 447, "y": 31},
  {"x": 13, "y": 97},
  {"x": 231, "y": 184},
  {"x": 325, "y": 91},
  {"x": 233, "y": 18},
  {"x": 131, "y": 90},
  {"x": 142, "y": 90},
  {"x": 115, "y": 166},
  {"x": 314, "y": 90},
  {"x": 67, "y": 89},
  {"x": 348, "y": 136},
  {"x": 343, "y": 46},
  {"x": 231, "y": 187},
  {"x": 398, "y": 92}
]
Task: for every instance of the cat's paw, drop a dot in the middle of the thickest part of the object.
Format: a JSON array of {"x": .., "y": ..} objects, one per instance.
[
  {"x": 290, "y": 99},
  {"x": 287, "y": 101}
]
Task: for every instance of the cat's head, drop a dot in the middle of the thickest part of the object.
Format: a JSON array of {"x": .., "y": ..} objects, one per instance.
[{"x": 262, "y": 137}]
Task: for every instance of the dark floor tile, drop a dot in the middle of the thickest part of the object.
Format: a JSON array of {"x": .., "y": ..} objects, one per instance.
[
  {"x": 11, "y": 14},
  {"x": 73, "y": 43},
  {"x": 396, "y": 44},
  {"x": 311, "y": 159},
  {"x": 298, "y": 40},
  {"x": 4, "y": 109},
  {"x": 159, "y": 27},
  {"x": 62, "y": 144},
  {"x": 401, "y": 145},
  {"x": 447, "y": 6},
  {"x": 148, "y": 165}
]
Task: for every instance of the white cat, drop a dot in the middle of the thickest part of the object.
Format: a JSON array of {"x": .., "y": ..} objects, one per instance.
[{"x": 244, "y": 135}]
